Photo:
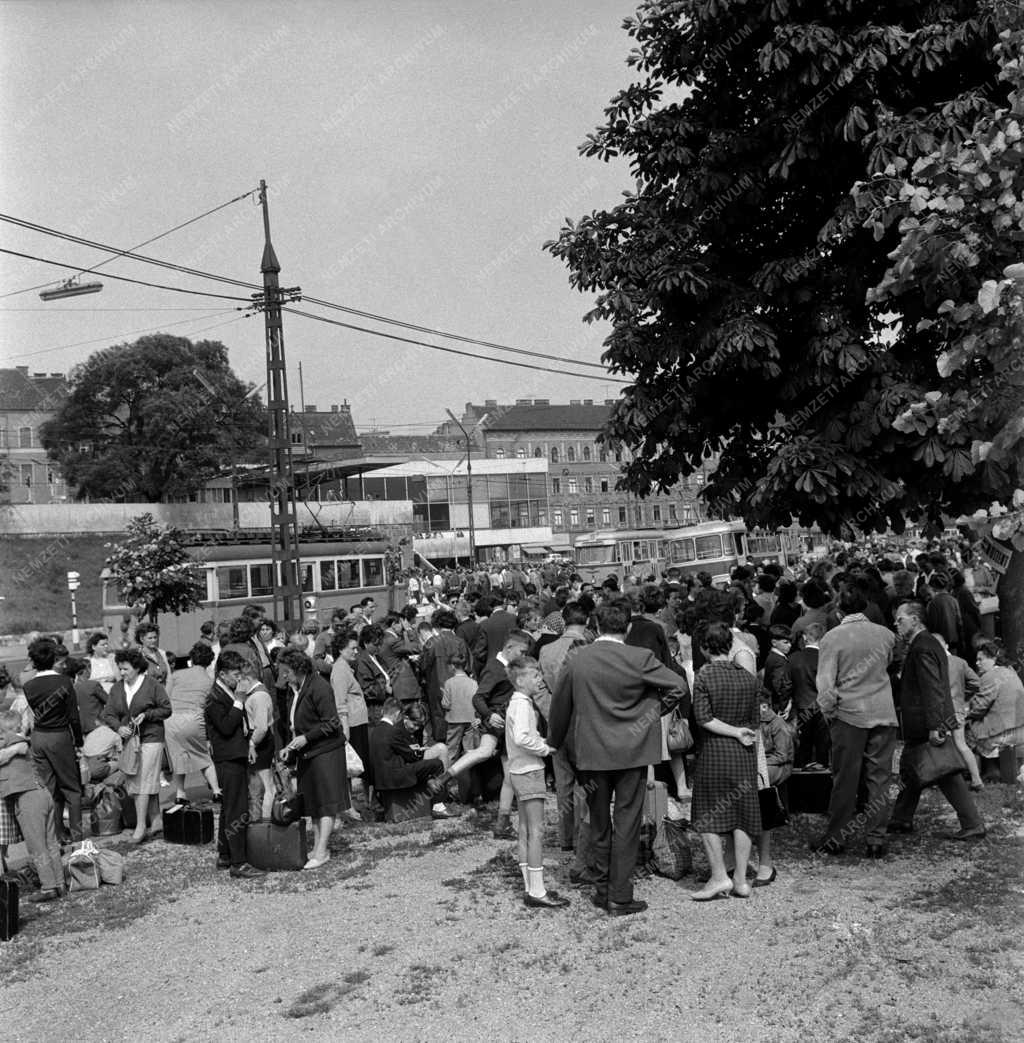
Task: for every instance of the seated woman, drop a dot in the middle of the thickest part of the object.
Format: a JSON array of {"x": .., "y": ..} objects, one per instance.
[
  {"x": 185, "y": 729},
  {"x": 140, "y": 702},
  {"x": 995, "y": 716},
  {"x": 317, "y": 745}
]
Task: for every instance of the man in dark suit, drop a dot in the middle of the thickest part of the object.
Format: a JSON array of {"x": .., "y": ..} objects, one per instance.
[
  {"x": 606, "y": 711},
  {"x": 646, "y": 631},
  {"x": 435, "y": 668},
  {"x": 813, "y": 741},
  {"x": 497, "y": 626},
  {"x": 396, "y": 765},
  {"x": 473, "y": 634},
  {"x": 928, "y": 717},
  {"x": 227, "y": 729}
]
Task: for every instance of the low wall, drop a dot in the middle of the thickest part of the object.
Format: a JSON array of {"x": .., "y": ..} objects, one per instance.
[{"x": 68, "y": 518}]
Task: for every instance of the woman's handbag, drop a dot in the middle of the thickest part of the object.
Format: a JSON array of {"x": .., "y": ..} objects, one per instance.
[
  {"x": 287, "y": 807},
  {"x": 925, "y": 764},
  {"x": 131, "y": 753},
  {"x": 353, "y": 762},
  {"x": 773, "y": 812},
  {"x": 679, "y": 738}
]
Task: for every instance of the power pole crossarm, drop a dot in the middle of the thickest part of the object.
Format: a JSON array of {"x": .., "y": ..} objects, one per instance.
[{"x": 469, "y": 486}]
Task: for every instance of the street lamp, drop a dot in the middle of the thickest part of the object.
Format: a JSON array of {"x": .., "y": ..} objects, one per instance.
[
  {"x": 71, "y": 289},
  {"x": 469, "y": 486},
  {"x": 73, "y": 578}
]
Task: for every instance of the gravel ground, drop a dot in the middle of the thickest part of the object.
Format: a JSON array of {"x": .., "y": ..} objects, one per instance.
[{"x": 418, "y": 932}]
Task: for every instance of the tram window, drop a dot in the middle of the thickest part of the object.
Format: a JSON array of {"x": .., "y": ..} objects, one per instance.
[
  {"x": 348, "y": 573},
  {"x": 709, "y": 547},
  {"x": 306, "y": 575},
  {"x": 682, "y": 550},
  {"x": 738, "y": 538},
  {"x": 373, "y": 572},
  {"x": 327, "y": 576},
  {"x": 261, "y": 579},
  {"x": 232, "y": 582}
]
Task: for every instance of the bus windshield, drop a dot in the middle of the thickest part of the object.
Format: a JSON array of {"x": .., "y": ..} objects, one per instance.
[{"x": 594, "y": 555}]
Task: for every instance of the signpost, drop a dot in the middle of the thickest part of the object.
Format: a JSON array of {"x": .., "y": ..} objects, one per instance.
[{"x": 73, "y": 578}]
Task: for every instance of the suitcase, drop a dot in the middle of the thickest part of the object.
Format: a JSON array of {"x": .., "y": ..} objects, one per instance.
[
  {"x": 809, "y": 792},
  {"x": 404, "y": 805},
  {"x": 655, "y": 802},
  {"x": 273, "y": 847},
  {"x": 188, "y": 825},
  {"x": 8, "y": 909}
]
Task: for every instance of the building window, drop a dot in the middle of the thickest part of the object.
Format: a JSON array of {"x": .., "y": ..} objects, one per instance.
[
  {"x": 554, "y": 454},
  {"x": 656, "y": 512},
  {"x": 618, "y": 458},
  {"x": 638, "y": 515},
  {"x": 574, "y": 516},
  {"x": 573, "y": 486},
  {"x": 589, "y": 517},
  {"x": 606, "y": 516},
  {"x": 672, "y": 516},
  {"x": 521, "y": 453},
  {"x": 499, "y": 453},
  {"x": 25, "y": 437},
  {"x": 622, "y": 515},
  {"x": 586, "y": 454},
  {"x": 538, "y": 452},
  {"x": 556, "y": 516},
  {"x": 570, "y": 454},
  {"x": 556, "y": 486},
  {"x": 26, "y": 475},
  {"x": 687, "y": 513},
  {"x": 602, "y": 455},
  {"x": 296, "y": 437},
  {"x": 604, "y": 485},
  {"x": 588, "y": 485}
]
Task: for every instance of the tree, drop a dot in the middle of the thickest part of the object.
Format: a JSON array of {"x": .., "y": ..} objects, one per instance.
[
  {"x": 152, "y": 419},
  {"x": 737, "y": 274},
  {"x": 153, "y": 571}
]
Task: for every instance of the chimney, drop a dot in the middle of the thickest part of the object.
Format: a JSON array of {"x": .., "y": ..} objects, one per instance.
[
  {"x": 310, "y": 408},
  {"x": 588, "y": 401},
  {"x": 334, "y": 409}
]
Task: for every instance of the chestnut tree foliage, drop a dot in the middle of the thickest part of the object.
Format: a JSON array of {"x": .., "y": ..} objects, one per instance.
[{"x": 807, "y": 278}]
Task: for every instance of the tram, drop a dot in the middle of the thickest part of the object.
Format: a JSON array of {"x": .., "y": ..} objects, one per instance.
[
  {"x": 620, "y": 553},
  {"x": 338, "y": 569}
]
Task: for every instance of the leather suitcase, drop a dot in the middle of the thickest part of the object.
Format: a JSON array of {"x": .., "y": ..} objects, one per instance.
[
  {"x": 655, "y": 802},
  {"x": 403, "y": 805},
  {"x": 188, "y": 825},
  {"x": 809, "y": 792},
  {"x": 8, "y": 909},
  {"x": 273, "y": 847}
]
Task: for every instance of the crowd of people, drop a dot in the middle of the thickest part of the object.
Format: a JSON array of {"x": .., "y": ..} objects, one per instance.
[{"x": 519, "y": 681}]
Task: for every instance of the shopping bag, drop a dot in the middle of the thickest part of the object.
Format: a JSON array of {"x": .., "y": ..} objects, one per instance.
[
  {"x": 287, "y": 807},
  {"x": 926, "y": 764},
  {"x": 131, "y": 754},
  {"x": 81, "y": 871},
  {"x": 670, "y": 853},
  {"x": 110, "y": 865},
  {"x": 353, "y": 761}
]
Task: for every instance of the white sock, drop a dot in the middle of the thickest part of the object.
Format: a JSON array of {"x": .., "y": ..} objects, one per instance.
[
  {"x": 535, "y": 882},
  {"x": 526, "y": 880}
]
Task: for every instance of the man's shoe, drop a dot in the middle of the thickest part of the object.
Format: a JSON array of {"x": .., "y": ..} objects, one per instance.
[
  {"x": 223, "y": 863},
  {"x": 442, "y": 813},
  {"x": 503, "y": 829},
  {"x": 626, "y": 908},
  {"x": 246, "y": 872},
  {"x": 582, "y": 878},
  {"x": 826, "y": 846},
  {"x": 876, "y": 851},
  {"x": 548, "y": 900},
  {"x": 900, "y": 827},
  {"x": 601, "y": 901},
  {"x": 44, "y": 896},
  {"x": 974, "y": 833}
]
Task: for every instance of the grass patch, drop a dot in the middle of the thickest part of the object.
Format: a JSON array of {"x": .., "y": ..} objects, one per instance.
[
  {"x": 416, "y": 985},
  {"x": 317, "y": 1000}
]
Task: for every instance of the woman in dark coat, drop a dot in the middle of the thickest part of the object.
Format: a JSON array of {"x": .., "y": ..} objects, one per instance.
[
  {"x": 318, "y": 743},
  {"x": 137, "y": 700},
  {"x": 725, "y": 782}
]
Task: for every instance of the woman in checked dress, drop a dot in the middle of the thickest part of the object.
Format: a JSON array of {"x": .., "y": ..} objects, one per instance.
[{"x": 725, "y": 782}]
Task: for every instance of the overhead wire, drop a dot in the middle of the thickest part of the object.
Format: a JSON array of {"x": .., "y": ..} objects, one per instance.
[{"x": 145, "y": 242}]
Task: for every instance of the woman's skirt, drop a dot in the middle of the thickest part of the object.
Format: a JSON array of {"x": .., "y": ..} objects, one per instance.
[
  {"x": 9, "y": 831},
  {"x": 323, "y": 783},
  {"x": 187, "y": 749},
  {"x": 725, "y": 788},
  {"x": 146, "y": 781}
]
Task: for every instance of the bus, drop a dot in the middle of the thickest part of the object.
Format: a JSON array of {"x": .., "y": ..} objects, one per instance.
[
  {"x": 338, "y": 569},
  {"x": 715, "y": 547},
  {"x": 619, "y": 553}
]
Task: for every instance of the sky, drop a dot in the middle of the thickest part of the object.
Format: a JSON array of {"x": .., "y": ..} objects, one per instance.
[{"x": 417, "y": 156}]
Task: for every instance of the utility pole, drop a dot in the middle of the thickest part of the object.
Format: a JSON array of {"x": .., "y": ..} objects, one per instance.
[
  {"x": 283, "y": 515},
  {"x": 469, "y": 486}
]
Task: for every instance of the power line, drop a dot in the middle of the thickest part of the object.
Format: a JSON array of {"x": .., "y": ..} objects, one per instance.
[
  {"x": 124, "y": 278},
  {"x": 84, "y": 311},
  {"x": 454, "y": 351},
  {"x": 145, "y": 242},
  {"x": 129, "y": 333}
]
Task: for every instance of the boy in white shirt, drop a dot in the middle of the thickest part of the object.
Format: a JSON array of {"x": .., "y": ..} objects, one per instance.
[{"x": 526, "y": 753}]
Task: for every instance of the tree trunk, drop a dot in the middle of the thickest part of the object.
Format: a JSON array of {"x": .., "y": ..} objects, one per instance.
[{"x": 1010, "y": 590}]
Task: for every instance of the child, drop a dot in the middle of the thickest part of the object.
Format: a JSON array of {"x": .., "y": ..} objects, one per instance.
[
  {"x": 526, "y": 753},
  {"x": 778, "y": 678},
  {"x": 457, "y": 702},
  {"x": 33, "y": 807}
]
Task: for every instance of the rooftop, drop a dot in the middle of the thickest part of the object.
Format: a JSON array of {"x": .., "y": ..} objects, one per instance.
[
  {"x": 582, "y": 416},
  {"x": 41, "y": 392}
]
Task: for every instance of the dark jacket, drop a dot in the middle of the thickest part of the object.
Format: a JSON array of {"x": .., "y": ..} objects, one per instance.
[
  {"x": 942, "y": 616},
  {"x": 316, "y": 717},
  {"x": 54, "y": 704},
  {"x": 476, "y": 641},
  {"x": 606, "y": 710},
  {"x": 803, "y": 670},
  {"x": 92, "y": 697},
  {"x": 644, "y": 633},
  {"x": 370, "y": 679},
  {"x": 226, "y": 726},
  {"x": 925, "y": 703},
  {"x": 435, "y": 670},
  {"x": 496, "y": 627},
  {"x": 151, "y": 700},
  {"x": 493, "y": 690},
  {"x": 395, "y": 650},
  {"x": 391, "y": 758},
  {"x": 778, "y": 680}
]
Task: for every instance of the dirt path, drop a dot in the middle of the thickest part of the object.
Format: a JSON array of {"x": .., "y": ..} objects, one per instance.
[{"x": 418, "y": 933}]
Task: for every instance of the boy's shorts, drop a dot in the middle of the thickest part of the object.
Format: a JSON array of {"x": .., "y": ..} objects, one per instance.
[{"x": 529, "y": 786}]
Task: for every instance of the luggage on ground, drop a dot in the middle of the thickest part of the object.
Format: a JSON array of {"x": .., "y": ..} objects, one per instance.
[{"x": 273, "y": 847}]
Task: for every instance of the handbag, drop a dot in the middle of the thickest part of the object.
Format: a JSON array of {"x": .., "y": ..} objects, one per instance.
[
  {"x": 353, "y": 762},
  {"x": 131, "y": 753},
  {"x": 925, "y": 764},
  {"x": 670, "y": 853},
  {"x": 679, "y": 738},
  {"x": 287, "y": 806},
  {"x": 81, "y": 870},
  {"x": 773, "y": 812}
]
